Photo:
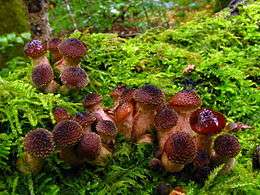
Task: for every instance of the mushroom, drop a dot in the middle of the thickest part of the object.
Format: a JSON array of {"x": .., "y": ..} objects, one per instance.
[
  {"x": 85, "y": 119},
  {"x": 148, "y": 98},
  {"x": 206, "y": 123},
  {"x": 67, "y": 133},
  {"x": 116, "y": 95},
  {"x": 43, "y": 78},
  {"x": 53, "y": 48},
  {"x": 74, "y": 78},
  {"x": 226, "y": 148},
  {"x": 184, "y": 103},
  {"x": 72, "y": 51},
  {"x": 179, "y": 150},
  {"x": 124, "y": 112},
  {"x": 107, "y": 131},
  {"x": 164, "y": 121},
  {"x": 91, "y": 148},
  {"x": 38, "y": 145},
  {"x": 92, "y": 102},
  {"x": 36, "y": 50},
  {"x": 60, "y": 114}
]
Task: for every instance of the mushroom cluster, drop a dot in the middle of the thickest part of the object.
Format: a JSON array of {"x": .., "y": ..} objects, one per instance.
[
  {"x": 186, "y": 133},
  {"x": 65, "y": 55}
]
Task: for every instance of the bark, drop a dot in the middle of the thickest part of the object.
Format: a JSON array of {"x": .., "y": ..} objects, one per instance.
[{"x": 38, "y": 18}]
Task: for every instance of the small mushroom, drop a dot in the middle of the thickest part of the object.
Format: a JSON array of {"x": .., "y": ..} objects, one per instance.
[
  {"x": 67, "y": 133},
  {"x": 85, "y": 119},
  {"x": 61, "y": 114},
  {"x": 184, "y": 103},
  {"x": 226, "y": 148},
  {"x": 148, "y": 98},
  {"x": 206, "y": 123},
  {"x": 107, "y": 131},
  {"x": 93, "y": 103},
  {"x": 179, "y": 150},
  {"x": 165, "y": 119},
  {"x": 53, "y": 48},
  {"x": 72, "y": 51},
  {"x": 43, "y": 78},
  {"x": 36, "y": 50},
  {"x": 91, "y": 148},
  {"x": 38, "y": 145},
  {"x": 74, "y": 78}
]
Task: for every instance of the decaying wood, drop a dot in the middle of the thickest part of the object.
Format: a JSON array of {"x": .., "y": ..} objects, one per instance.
[{"x": 38, "y": 18}]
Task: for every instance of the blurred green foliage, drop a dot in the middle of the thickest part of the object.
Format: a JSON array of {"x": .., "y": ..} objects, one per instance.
[{"x": 225, "y": 52}]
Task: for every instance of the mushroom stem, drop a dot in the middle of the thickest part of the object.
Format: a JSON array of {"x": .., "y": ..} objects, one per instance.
[
  {"x": 103, "y": 156},
  {"x": 99, "y": 113},
  {"x": 170, "y": 166},
  {"x": 183, "y": 123},
  {"x": 29, "y": 164},
  {"x": 40, "y": 60},
  {"x": 143, "y": 120},
  {"x": 52, "y": 87},
  {"x": 69, "y": 155},
  {"x": 204, "y": 143},
  {"x": 228, "y": 166}
]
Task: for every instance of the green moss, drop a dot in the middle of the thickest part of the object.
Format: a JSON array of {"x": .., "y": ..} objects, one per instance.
[{"x": 225, "y": 51}]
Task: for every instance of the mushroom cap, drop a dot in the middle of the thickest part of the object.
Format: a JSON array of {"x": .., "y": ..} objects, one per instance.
[
  {"x": 42, "y": 75},
  {"x": 53, "y": 44},
  {"x": 35, "y": 49},
  {"x": 123, "y": 111},
  {"x": 207, "y": 122},
  {"x": 180, "y": 148},
  {"x": 92, "y": 99},
  {"x": 39, "y": 143},
  {"x": 89, "y": 146},
  {"x": 149, "y": 94},
  {"x": 60, "y": 114},
  {"x": 74, "y": 78},
  {"x": 72, "y": 48},
  {"x": 67, "y": 133},
  {"x": 84, "y": 119},
  {"x": 118, "y": 91},
  {"x": 226, "y": 145},
  {"x": 165, "y": 119},
  {"x": 107, "y": 128},
  {"x": 184, "y": 101}
]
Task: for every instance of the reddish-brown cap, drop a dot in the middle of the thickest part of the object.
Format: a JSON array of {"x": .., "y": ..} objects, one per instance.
[
  {"x": 107, "y": 128},
  {"x": 149, "y": 94},
  {"x": 184, "y": 101},
  {"x": 92, "y": 99},
  {"x": 60, "y": 114},
  {"x": 165, "y": 119},
  {"x": 39, "y": 143},
  {"x": 35, "y": 49},
  {"x": 123, "y": 111},
  {"x": 42, "y": 75},
  {"x": 74, "y": 78},
  {"x": 67, "y": 133},
  {"x": 85, "y": 118},
  {"x": 53, "y": 44},
  {"x": 180, "y": 148},
  {"x": 72, "y": 48},
  {"x": 207, "y": 122},
  {"x": 89, "y": 146},
  {"x": 226, "y": 145},
  {"x": 118, "y": 91}
]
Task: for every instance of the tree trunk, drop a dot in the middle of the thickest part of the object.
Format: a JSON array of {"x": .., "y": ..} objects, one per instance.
[{"x": 38, "y": 18}]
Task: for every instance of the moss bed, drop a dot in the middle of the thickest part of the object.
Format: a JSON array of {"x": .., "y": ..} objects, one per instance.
[{"x": 225, "y": 51}]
